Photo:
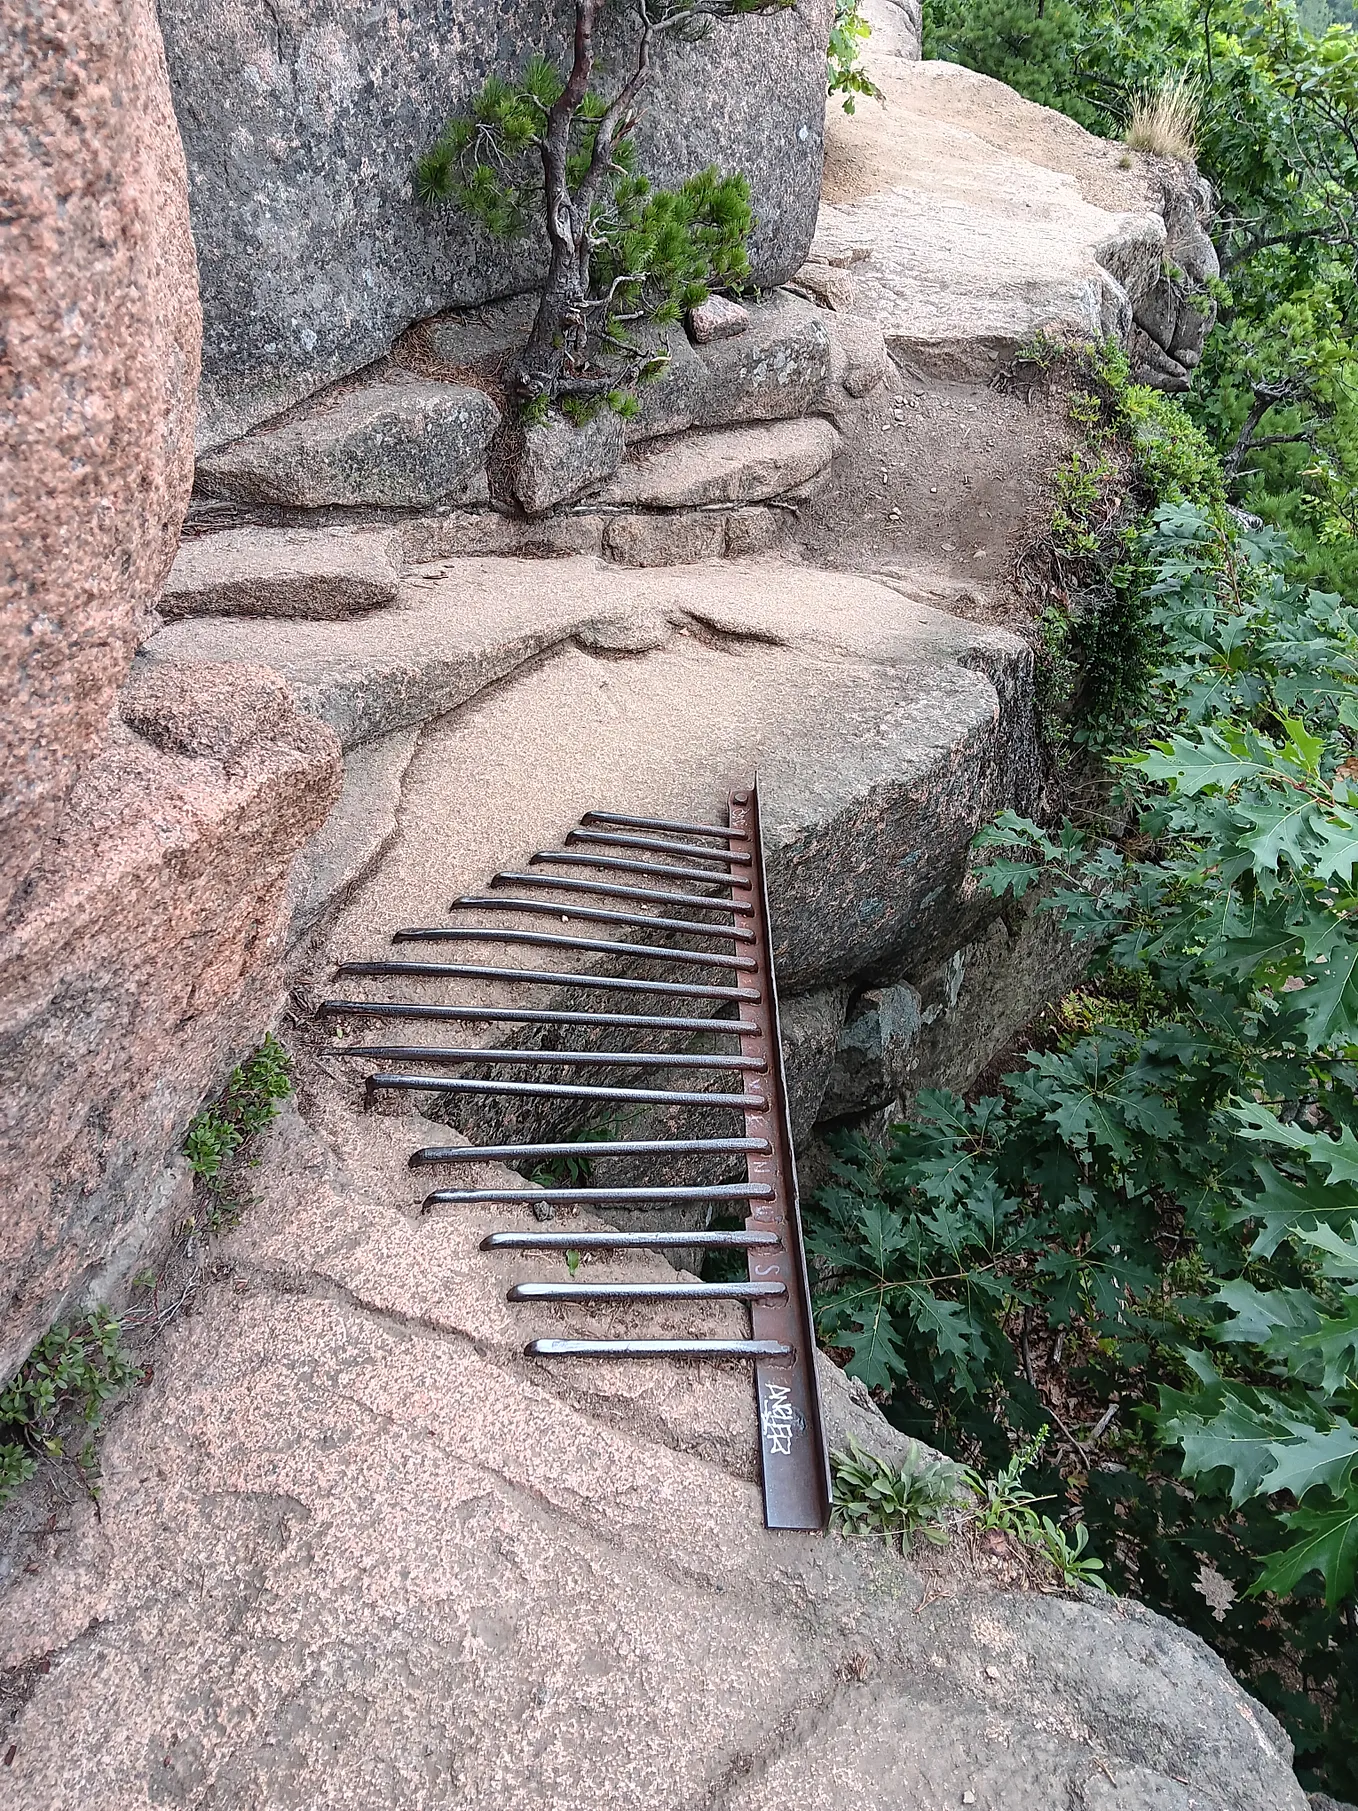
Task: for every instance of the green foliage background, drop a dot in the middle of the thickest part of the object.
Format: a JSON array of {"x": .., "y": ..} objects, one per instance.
[{"x": 1151, "y": 1225}]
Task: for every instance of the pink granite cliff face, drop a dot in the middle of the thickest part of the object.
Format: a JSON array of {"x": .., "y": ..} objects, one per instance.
[
  {"x": 147, "y": 826},
  {"x": 98, "y": 376}
]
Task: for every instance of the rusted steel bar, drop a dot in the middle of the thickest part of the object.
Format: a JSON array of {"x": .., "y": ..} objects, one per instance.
[
  {"x": 549, "y": 977},
  {"x": 644, "y": 1292},
  {"x": 526, "y": 1015},
  {"x": 603, "y": 889},
  {"x": 555, "y": 908},
  {"x": 625, "y": 1241},
  {"x": 580, "y": 1059},
  {"x": 658, "y": 845},
  {"x": 657, "y": 823},
  {"x": 550, "y": 940},
  {"x": 661, "y": 1097},
  {"x": 618, "y": 864},
  {"x": 656, "y": 1348},
  {"x": 601, "y": 1197},
  {"x": 585, "y": 1150}
]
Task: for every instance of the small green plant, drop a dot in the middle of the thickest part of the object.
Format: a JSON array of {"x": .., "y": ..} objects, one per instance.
[
  {"x": 76, "y": 1367},
  {"x": 845, "y": 74},
  {"x": 247, "y": 1104},
  {"x": 625, "y": 259},
  {"x": 1003, "y": 1502},
  {"x": 873, "y": 1497}
]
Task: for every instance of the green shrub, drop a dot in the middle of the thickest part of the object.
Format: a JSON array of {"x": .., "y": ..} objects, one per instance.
[{"x": 76, "y": 1367}]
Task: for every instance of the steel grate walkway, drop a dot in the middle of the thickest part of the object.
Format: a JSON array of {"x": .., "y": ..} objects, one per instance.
[{"x": 715, "y": 871}]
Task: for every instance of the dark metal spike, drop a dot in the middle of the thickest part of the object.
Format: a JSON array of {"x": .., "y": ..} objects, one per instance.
[
  {"x": 615, "y": 863},
  {"x": 603, "y": 889},
  {"x": 549, "y": 977},
  {"x": 550, "y": 940},
  {"x": 589, "y": 1150},
  {"x": 657, "y": 1348},
  {"x": 594, "y": 1197},
  {"x": 626, "y": 1241},
  {"x": 634, "y": 1059},
  {"x": 644, "y": 1292},
  {"x": 726, "y": 858},
  {"x": 438, "y": 1084},
  {"x": 658, "y": 823},
  {"x": 529, "y": 1015},
  {"x": 555, "y": 908}
]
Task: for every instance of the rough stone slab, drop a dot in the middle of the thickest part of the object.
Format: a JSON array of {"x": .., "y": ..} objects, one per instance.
[
  {"x": 282, "y": 572},
  {"x": 665, "y": 540},
  {"x": 755, "y": 530},
  {"x": 558, "y": 460},
  {"x": 873, "y": 1051},
  {"x": 776, "y": 369},
  {"x": 402, "y": 442},
  {"x": 453, "y": 533},
  {"x": 718, "y": 318},
  {"x": 858, "y": 354},
  {"x": 811, "y": 1025},
  {"x": 673, "y": 401},
  {"x": 725, "y": 465},
  {"x": 101, "y": 330},
  {"x": 560, "y": 1548},
  {"x": 988, "y": 217},
  {"x": 303, "y": 128},
  {"x": 360, "y": 826}
]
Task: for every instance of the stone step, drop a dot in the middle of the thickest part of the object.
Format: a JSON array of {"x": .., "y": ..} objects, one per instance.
[
  {"x": 283, "y": 572},
  {"x": 726, "y": 465},
  {"x": 395, "y": 441}
]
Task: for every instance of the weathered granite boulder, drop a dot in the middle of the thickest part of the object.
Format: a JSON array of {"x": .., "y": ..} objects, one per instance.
[
  {"x": 151, "y": 963},
  {"x": 872, "y": 1051},
  {"x": 776, "y": 369},
  {"x": 399, "y": 442},
  {"x": 282, "y": 572},
  {"x": 556, "y": 460},
  {"x": 725, "y": 465},
  {"x": 1174, "y": 317},
  {"x": 303, "y": 124},
  {"x": 98, "y": 369}
]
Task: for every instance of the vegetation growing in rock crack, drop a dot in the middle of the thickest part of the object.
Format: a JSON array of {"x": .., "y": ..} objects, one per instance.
[
  {"x": 625, "y": 259},
  {"x": 248, "y": 1102},
  {"x": 76, "y": 1367}
]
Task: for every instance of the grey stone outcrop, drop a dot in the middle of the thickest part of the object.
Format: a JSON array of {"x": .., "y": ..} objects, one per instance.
[
  {"x": 557, "y": 460},
  {"x": 399, "y": 441},
  {"x": 725, "y": 465},
  {"x": 283, "y": 572},
  {"x": 302, "y": 130}
]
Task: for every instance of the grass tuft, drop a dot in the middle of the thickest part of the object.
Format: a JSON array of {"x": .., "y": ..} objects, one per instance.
[{"x": 1164, "y": 120}]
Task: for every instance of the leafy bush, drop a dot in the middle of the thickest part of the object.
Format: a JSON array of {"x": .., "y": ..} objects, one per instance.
[
  {"x": 78, "y": 1367},
  {"x": 1167, "y": 1197},
  {"x": 845, "y": 75}
]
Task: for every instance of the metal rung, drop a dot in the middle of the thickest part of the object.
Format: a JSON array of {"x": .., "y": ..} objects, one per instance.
[
  {"x": 727, "y": 858},
  {"x": 657, "y": 1348},
  {"x": 550, "y": 940},
  {"x": 528, "y": 1015},
  {"x": 588, "y": 1150},
  {"x": 555, "y": 908},
  {"x": 617, "y": 864},
  {"x": 597, "y": 1197},
  {"x": 583, "y": 1059},
  {"x": 549, "y": 977},
  {"x": 644, "y": 1292},
  {"x": 658, "y": 823},
  {"x": 438, "y": 1084},
  {"x": 611, "y": 890},
  {"x": 626, "y": 1241}
]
